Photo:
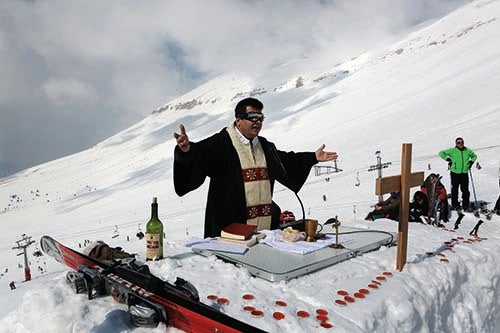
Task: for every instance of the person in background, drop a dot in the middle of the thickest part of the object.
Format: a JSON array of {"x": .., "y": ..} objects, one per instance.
[
  {"x": 497, "y": 206},
  {"x": 437, "y": 198},
  {"x": 388, "y": 208},
  {"x": 460, "y": 159},
  {"x": 242, "y": 167},
  {"x": 419, "y": 208}
]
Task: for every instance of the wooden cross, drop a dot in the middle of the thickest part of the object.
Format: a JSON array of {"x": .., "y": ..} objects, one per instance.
[{"x": 401, "y": 183}]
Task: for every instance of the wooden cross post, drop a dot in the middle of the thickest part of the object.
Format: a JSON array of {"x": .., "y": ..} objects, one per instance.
[{"x": 401, "y": 183}]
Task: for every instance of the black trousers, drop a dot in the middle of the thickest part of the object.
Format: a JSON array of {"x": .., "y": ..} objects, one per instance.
[{"x": 460, "y": 180}]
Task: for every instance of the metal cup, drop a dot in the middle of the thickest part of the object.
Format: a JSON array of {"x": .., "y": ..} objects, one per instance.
[{"x": 311, "y": 230}]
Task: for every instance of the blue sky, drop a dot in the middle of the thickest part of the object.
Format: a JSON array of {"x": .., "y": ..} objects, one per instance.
[{"x": 74, "y": 73}]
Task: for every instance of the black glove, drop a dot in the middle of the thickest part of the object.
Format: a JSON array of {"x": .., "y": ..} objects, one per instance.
[
  {"x": 471, "y": 163},
  {"x": 449, "y": 162}
]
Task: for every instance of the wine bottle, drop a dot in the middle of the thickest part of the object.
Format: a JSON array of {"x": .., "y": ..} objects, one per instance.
[{"x": 154, "y": 234}]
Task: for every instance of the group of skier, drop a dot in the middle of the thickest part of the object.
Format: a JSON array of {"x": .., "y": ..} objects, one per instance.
[{"x": 430, "y": 203}]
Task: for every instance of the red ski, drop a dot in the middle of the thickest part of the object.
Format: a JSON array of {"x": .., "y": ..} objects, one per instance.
[{"x": 149, "y": 298}]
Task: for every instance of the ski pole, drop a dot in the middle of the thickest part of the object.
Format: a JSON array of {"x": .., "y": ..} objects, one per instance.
[{"x": 473, "y": 189}]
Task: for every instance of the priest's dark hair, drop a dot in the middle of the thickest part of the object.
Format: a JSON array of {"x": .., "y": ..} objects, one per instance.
[{"x": 241, "y": 108}]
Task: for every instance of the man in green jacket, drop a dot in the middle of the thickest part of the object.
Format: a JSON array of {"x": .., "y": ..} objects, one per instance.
[{"x": 460, "y": 159}]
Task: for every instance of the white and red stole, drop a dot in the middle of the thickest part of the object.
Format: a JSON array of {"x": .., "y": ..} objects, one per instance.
[{"x": 255, "y": 178}]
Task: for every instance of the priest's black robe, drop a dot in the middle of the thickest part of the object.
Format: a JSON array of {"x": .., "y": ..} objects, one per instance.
[{"x": 215, "y": 157}]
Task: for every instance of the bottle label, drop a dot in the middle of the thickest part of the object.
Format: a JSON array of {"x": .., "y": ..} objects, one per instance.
[{"x": 153, "y": 247}]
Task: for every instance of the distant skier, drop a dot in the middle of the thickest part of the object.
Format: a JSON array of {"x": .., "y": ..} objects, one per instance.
[
  {"x": 12, "y": 285},
  {"x": 460, "y": 159}
]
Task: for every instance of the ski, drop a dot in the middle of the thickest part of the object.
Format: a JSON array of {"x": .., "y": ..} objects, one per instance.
[
  {"x": 433, "y": 205},
  {"x": 482, "y": 211},
  {"x": 485, "y": 211},
  {"x": 437, "y": 207},
  {"x": 150, "y": 299}
]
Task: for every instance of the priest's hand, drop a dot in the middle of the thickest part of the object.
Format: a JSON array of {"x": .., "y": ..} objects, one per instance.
[
  {"x": 182, "y": 139},
  {"x": 323, "y": 156}
]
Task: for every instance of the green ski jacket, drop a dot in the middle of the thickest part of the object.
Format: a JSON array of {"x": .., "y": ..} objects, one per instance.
[{"x": 459, "y": 158}]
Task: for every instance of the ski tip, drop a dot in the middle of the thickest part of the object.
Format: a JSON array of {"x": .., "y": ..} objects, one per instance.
[{"x": 49, "y": 246}]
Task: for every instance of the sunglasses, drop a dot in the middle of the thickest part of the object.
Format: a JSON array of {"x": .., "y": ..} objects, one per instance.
[
  {"x": 460, "y": 142},
  {"x": 253, "y": 117}
]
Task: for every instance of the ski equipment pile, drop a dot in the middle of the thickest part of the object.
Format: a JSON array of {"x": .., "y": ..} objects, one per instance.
[{"x": 149, "y": 298}]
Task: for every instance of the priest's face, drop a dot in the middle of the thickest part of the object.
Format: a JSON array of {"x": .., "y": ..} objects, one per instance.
[{"x": 252, "y": 124}]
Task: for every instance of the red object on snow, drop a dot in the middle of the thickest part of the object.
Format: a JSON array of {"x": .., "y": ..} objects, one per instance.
[
  {"x": 326, "y": 324},
  {"x": 340, "y": 302},
  {"x": 322, "y": 317},
  {"x": 278, "y": 315},
  {"x": 349, "y": 299},
  {"x": 343, "y": 292},
  {"x": 303, "y": 314},
  {"x": 248, "y": 297},
  {"x": 322, "y": 312},
  {"x": 364, "y": 291},
  {"x": 281, "y": 303},
  {"x": 359, "y": 295},
  {"x": 223, "y": 301},
  {"x": 258, "y": 313}
]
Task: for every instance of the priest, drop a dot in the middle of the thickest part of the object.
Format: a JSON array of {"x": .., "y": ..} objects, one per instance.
[{"x": 242, "y": 167}]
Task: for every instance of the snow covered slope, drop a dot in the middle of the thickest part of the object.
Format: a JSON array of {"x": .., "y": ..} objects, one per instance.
[{"x": 438, "y": 83}]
